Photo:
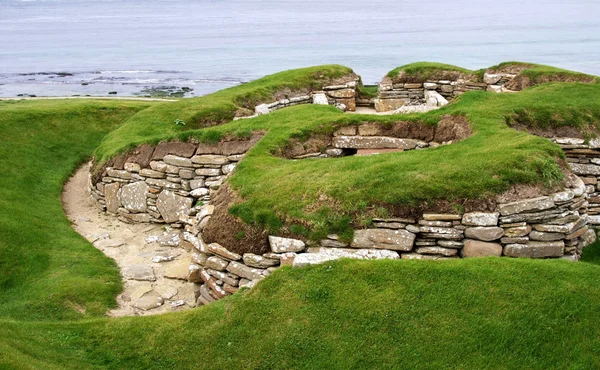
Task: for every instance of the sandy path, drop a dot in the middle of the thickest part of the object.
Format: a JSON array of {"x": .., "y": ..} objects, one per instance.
[{"x": 133, "y": 246}]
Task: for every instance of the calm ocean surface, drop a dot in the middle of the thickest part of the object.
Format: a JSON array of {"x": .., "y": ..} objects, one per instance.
[{"x": 127, "y": 46}]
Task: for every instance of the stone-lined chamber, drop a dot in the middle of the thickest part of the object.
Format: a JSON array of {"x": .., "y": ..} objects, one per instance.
[
  {"x": 407, "y": 95},
  {"x": 174, "y": 182},
  {"x": 372, "y": 138},
  {"x": 341, "y": 96}
]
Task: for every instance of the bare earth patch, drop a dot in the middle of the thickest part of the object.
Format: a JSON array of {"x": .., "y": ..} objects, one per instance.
[{"x": 146, "y": 288}]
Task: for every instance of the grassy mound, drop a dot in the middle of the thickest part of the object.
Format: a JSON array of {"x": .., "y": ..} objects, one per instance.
[
  {"x": 307, "y": 198},
  {"x": 420, "y": 72},
  {"x": 490, "y": 313},
  {"x": 46, "y": 270},
  {"x": 158, "y": 123},
  {"x": 487, "y": 313}
]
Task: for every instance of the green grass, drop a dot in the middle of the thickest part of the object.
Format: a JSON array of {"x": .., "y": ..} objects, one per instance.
[
  {"x": 423, "y": 71},
  {"x": 278, "y": 191},
  {"x": 495, "y": 313},
  {"x": 157, "y": 123},
  {"x": 46, "y": 270},
  {"x": 484, "y": 313}
]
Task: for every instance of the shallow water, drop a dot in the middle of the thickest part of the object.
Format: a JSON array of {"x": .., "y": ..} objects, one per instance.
[{"x": 125, "y": 46}]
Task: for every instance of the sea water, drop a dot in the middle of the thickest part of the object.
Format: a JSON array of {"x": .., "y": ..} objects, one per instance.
[{"x": 194, "y": 47}]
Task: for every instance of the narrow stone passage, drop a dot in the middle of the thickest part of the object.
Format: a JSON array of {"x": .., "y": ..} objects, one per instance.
[{"x": 154, "y": 268}]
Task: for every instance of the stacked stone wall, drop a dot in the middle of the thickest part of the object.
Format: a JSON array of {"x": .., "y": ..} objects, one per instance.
[
  {"x": 166, "y": 183},
  {"x": 392, "y": 96},
  {"x": 174, "y": 183},
  {"x": 342, "y": 96}
]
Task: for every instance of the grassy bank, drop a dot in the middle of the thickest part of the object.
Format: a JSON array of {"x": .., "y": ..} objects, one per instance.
[
  {"x": 487, "y": 313},
  {"x": 46, "y": 270},
  {"x": 308, "y": 195},
  {"x": 484, "y": 314}
]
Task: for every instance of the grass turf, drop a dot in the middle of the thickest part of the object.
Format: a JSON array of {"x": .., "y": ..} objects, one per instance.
[
  {"x": 46, "y": 270},
  {"x": 306, "y": 195},
  {"x": 488, "y": 313}
]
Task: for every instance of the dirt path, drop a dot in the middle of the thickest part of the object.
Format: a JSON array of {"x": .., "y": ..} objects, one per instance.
[{"x": 137, "y": 250}]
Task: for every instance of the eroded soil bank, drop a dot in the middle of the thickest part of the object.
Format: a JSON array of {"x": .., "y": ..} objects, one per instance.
[{"x": 154, "y": 273}]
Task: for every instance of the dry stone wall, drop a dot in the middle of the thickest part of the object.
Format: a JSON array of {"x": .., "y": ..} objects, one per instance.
[
  {"x": 553, "y": 226},
  {"x": 432, "y": 93},
  {"x": 584, "y": 160},
  {"x": 168, "y": 183},
  {"x": 342, "y": 96},
  {"x": 373, "y": 138},
  {"x": 174, "y": 182}
]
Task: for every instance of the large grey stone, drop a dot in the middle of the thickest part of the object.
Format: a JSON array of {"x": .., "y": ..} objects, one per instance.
[
  {"x": 480, "y": 219},
  {"x": 262, "y": 109},
  {"x": 320, "y": 99},
  {"x": 221, "y": 251},
  {"x": 216, "y": 263},
  {"x": 139, "y": 272},
  {"x": 321, "y": 255},
  {"x": 399, "y": 240},
  {"x": 373, "y": 142},
  {"x": 545, "y": 237},
  {"x": 210, "y": 159},
  {"x": 491, "y": 79},
  {"x": 177, "y": 161},
  {"x": 585, "y": 169},
  {"x": 486, "y": 234},
  {"x": 284, "y": 245},
  {"x": 527, "y": 205},
  {"x": 111, "y": 197},
  {"x": 476, "y": 248},
  {"x": 535, "y": 249},
  {"x": 261, "y": 262},
  {"x": 133, "y": 196},
  {"x": 172, "y": 206},
  {"x": 244, "y": 271},
  {"x": 586, "y": 239}
]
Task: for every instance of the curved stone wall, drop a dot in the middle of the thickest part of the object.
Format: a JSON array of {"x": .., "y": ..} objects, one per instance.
[
  {"x": 394, "y": 95},
  {"x": 174, "y": 183}
]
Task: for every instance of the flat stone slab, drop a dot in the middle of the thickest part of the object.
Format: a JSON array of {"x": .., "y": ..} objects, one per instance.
[
  {"x": 139, "y": 272},
  {"x": 285, "y": 245},
  {"x": 133, "y": 196},
  {"x": 179, "y": 270},
  {"x": 373, "y": 142},
  {"x": 172, "y": 206},
  {"x": 476, "y": 248},
  {"x": 398, "y": 240},
  {"x": 321, "y": 255},
  {"x": 536, "y": 249},
  {"x": 527, "y": 205}
]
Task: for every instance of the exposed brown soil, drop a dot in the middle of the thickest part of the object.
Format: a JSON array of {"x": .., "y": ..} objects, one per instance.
[
  {"x": 452, "y": 128},
  {"x": 402, "y": 77},
  {"x": 562, "y": 131},
  {"x": 230, "y": 231},
  {"x": 146, "y": 153},
  {"x": 521, "y": 82}
]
